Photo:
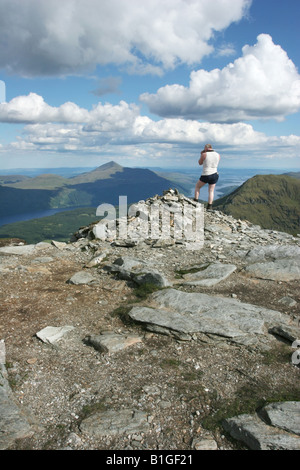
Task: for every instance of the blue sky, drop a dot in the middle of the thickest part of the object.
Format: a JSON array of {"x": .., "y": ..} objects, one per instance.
[{"x": 83, "y": 82}]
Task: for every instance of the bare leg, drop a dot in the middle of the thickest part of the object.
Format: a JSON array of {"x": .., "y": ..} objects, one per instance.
[
  {"x": 198, "y": 186},
  {"x": 211, "y": 190}
]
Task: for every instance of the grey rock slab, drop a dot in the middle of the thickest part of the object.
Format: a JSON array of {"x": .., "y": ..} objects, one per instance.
[
  {"x": 205, "y": 443},
  {"x": 178, "y": 312},
  {"x": 115, "y": 422},
  {"x": 284, "y": 415},
  {"x": 112, "y": 342},
  {"x": 14, "y": 423},
  {"x": 82, "y": 277},
  {"x": 17, "y": 250},
  {"x": 151, "y": 277},
  {"x": 137, "y": 270},
  {"x": 288, "y": 301},
  {"x": 210, "y": 275},
  {"x": 273, "y": 252},
  {"x": 283, "y": 269},
  {"x": 257, "y": 435},
  {"x": 53, "y": 334},
  {"x": 125, "y": 265}
]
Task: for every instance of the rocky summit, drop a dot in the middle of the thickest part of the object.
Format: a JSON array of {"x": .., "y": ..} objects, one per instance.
[{"x": 169, "y": 327}]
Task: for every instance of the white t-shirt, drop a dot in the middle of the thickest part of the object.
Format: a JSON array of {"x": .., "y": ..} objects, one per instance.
[{"x": 210, "y": 164}]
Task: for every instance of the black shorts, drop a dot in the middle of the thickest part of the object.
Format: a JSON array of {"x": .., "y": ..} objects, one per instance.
[{"x": 210, "y": 179}]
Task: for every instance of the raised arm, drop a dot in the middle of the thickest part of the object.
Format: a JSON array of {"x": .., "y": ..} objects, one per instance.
[{"x": 202, "y": 158}]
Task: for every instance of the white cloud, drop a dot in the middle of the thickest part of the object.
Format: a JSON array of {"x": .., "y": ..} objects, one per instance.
[
  {"x": 263, "y": 83},
  {"x": 54, "y": 37},
  {"x": 125, "y": 128},
  {"x": 33, "y": 109},
  {"x": 120, "y": 129}
]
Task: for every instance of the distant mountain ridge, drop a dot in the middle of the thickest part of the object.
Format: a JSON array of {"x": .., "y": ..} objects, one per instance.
[
  {"x": 271, "y": 201},
  {"x": 102, "y": 185},
  {"x": 53, "y": 181}
]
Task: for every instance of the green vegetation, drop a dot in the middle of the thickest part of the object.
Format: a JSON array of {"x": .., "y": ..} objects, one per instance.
[
  {"x": 58, "y": 227},
  {"x": 247, "y": 400},
  {"x": 70, "y": 197},
  {"x": 271, "y": 201},
  {"x": 45, "y": 181}
]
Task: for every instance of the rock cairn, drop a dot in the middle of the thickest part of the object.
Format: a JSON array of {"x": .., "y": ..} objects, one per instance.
[{"x": 159, "y": 221}]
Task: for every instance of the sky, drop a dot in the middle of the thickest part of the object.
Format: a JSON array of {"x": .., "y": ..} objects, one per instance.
[{"x": 147, "y": 83}]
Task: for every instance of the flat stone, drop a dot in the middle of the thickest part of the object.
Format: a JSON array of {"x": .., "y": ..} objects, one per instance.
[
  {"x": 17, "y": 250},
  {"x": 137, "y": 270},
  {"x": 180, "y": 313},
  {"x": 210, "y": 275},
  {"x": 151, "y": 277},
  {"x": 272, "y": 252},
  {"x": 114, "y": 422},
  {"x": 14, "y": 423},
  {"x": 82, "y": 277},
  {"x": 288, "y": 301},
  {"x": 284, "y": 415},
  {"x": 124, "y": 266},
  {"x": 283, "y": 269},
  {"x": 257, "y": 435},
  {"x": 112, "y": 342},
  {"x": 53, "y": 334},
  {"x": 205, "y": 443}
]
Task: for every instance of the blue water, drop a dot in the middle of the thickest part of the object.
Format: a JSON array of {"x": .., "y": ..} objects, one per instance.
[{"x": 29, "y": 216}]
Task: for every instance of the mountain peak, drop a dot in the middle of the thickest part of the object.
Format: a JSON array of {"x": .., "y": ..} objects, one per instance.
[
  {"x": 101, "y": 172},
  {"x": 109, "y": 165}
]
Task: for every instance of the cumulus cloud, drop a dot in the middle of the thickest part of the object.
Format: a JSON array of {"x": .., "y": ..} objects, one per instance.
[
  {"x": 122, "y": 126},
  {"x": 70, "y": 128},
  {"x": 57, "y": 37},
  {"x": 33, "y": 109},
  {"x": 263, "y": 83},
  {"x": 168, "y": 140}
]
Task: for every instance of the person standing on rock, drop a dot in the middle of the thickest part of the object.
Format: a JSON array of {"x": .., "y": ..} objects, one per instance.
[{"x": 210, "y": 161}]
